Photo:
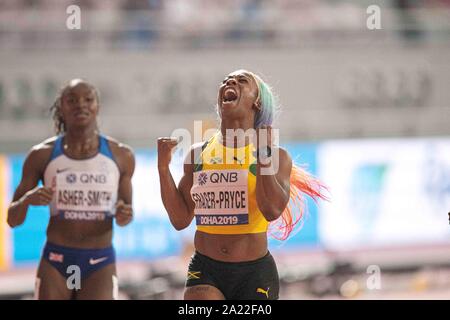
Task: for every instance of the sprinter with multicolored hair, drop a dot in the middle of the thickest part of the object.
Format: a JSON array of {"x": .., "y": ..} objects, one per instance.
[{"x": 239, "y": 187}]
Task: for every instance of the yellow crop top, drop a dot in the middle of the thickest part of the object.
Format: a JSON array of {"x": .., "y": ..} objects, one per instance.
[{"x": 224, "y": 190}]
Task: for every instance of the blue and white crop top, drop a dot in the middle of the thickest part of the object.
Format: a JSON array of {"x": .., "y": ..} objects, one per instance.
[{"x": 84, "y": 189}]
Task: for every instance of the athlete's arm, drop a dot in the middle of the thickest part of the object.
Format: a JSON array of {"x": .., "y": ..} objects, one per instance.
[
  {"x": 176, "y": 200},
  {"x": 124, "y": 209},
  {"x": 273, "y": 190},
  {"x": 27, "y": 193}
]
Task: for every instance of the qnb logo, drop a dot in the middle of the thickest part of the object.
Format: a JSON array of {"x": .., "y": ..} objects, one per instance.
[
  {"x": 223, "y": 177},
  {"x": 92, "y": 178},
  {"x": 71, "y": 178},
  {"x": 202, "y": 178}
]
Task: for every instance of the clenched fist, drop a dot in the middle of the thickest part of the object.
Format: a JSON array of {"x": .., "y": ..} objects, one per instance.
[{"x": 166, "y": 147}]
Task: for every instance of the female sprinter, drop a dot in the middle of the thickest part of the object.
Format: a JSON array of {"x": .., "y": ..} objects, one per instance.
[
  {"x": 86, "y": 182},
  {"x": 233, "y": 201}
]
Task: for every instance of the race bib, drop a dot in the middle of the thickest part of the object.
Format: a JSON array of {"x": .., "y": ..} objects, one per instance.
[
  {"x": 84, "y": 195},
  {"x": 220, "y": 197}
]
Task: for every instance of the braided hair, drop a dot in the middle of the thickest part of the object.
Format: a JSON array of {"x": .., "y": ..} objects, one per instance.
[{"x": 55, "y": 109}]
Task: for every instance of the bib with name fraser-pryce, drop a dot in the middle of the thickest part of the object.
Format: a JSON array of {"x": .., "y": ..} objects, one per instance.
[
  {"x": 81, "y": 195},
  {"x": 221, "y": 197}
]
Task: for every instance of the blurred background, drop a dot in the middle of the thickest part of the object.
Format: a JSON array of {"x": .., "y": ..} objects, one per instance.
[{"x": 366, "y": 110}]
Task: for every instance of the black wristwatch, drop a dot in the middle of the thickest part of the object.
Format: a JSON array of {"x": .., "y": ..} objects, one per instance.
[{"x": 264, "y": 152}]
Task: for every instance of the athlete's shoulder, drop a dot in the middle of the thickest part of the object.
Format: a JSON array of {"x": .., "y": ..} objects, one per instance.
[
  {"x": 198, "y": 146},
  {"x": 39, "y": 154},
  {"x": 119, "y": 147},
  {"x": 283, "y": 153},
  {"x": 283, "y": 160},
  {"x": 123, "y": 154},
  {"x": 43, "y": 148},
  {"x": 46, "y": 144},
  {"x": 194, "y": 152},
  {"x": 281, "y": 157}
]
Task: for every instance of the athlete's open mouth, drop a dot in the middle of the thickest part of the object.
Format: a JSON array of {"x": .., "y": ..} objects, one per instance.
[{"x": 229, "y": 95}]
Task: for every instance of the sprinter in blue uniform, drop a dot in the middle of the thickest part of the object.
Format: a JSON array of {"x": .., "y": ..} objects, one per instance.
[{"x": 87, "y": 184}]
